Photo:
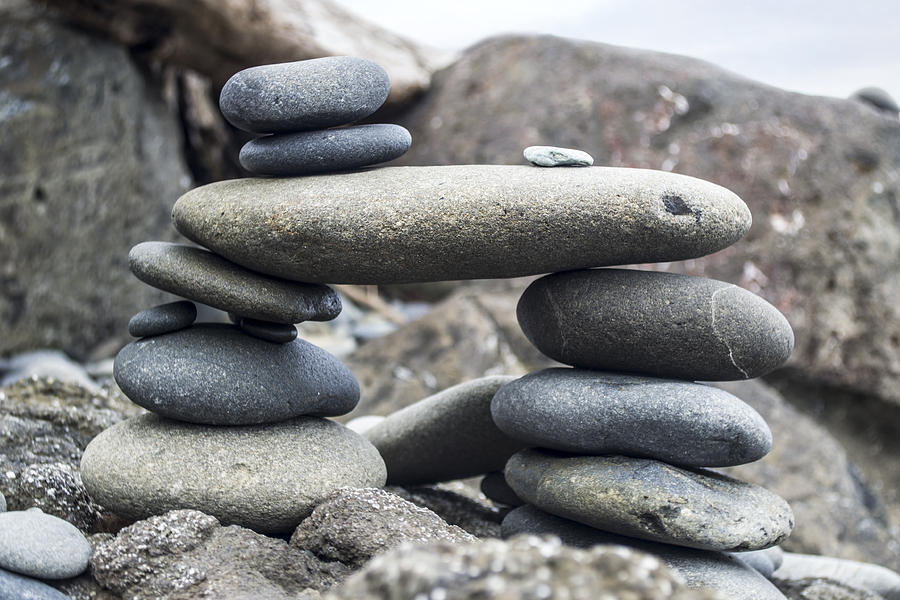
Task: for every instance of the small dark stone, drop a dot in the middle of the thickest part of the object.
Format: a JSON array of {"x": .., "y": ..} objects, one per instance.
[
  {"x": 216, "y": 375},
  {"x": 878, "y": 98},
  {"x": 322, "y": 151},
  {"x": 303, "y": 95},
  {"x": 278, "y": 333},
  {"x": 163, "y": 319},
  {"x": 596, "y": 412},
  {"x": 494, "y": 486},
  {"x": 657, "y": 323},
  {"x": 200, "y": 275}
]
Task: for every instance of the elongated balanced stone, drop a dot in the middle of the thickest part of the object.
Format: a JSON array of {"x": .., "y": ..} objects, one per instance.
[{"x": 407, "y": 224}]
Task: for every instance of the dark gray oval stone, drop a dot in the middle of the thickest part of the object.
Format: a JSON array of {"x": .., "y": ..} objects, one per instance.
[
  {"x": 494, "y": 486},
  {"x": 651, "y": 500},
  {"x": 440, "y": 223},
  {"x": 265, "y": 477},
  {"x": 278, "y": 333},
  {"x": 656, "y": 323},
  {"x": 309, "y": 152},
  {"x": 214, "y": 374},
  {"x": 39, "y": 545},
  {"x": 19, "y": 587},
  {"x": 701, "y": 569},
  {"x": 208, "y": 278},
  {"x": 307, "y": 94},
  {"x": 163, "y": 319},
  {"x": 594, "y": 412}
]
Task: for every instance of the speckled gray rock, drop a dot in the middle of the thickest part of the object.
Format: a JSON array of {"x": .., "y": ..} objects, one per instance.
[
  {"x": 149, "y": 465},
  {"x": 651, "y": 500},
  {"x": 594, "y": 412},
  {"x": 215, "y": 374},
  {"x": 57, "y": 489},
  {"x": 307, "y": 94},
  {"x": 657, "y": 323},
  {"x": 820, "y": 588},
  {"x": 446, "y": 436},
  {"x": 163, "y": 319},
  {"x": 188, "y": 555},
  {"x": 353, "y": 525},
  {"x": 278, "y": 333},
  {"x": 850, "y": 572},
  {"x": 701, "y": 569},
  {"x": 202, "y": 276},
  {"x": 19, "y": 587},
  {"x": 455, "y": 504},
  {"x": 494, "y": 486},
  {"x": 43, "y": 546},
  {"x": 326, "y": 150},
  {"x": 523, "y": 568},
  {"x": 405, "y": 224},
  {"x": 551, "y": 156}
]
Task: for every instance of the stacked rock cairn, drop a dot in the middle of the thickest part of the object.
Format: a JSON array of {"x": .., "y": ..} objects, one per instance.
[{"x": 237, "y": 425}]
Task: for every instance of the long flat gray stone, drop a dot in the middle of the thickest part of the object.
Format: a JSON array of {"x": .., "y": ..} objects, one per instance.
[
  {"x": 408, "y": 224},
  {"x": 200, "y": 275},
  {"x": 596, "y": 412},
  {"x": 651, "y": 500},
  {"x": 265, "y": 477},
  {"x": 661, "y": 324}
]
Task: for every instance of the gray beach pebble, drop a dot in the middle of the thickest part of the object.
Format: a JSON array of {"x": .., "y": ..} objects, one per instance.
[
  {"x": 656, "y": 323},
  {"x": 701, "y": 569},
  {"x": 651, "y": 500},
  {"x": 446, "y": 436},
  {"x": 267, "y": 478},
  {"x": 163, "y": 319},
  {"x": 494, "y": 486},
  {"x": 323, "y": 151},
  {"x": 19, "y": 587},
  {"x": 200, "y": 275},
  {"x": 409, "y": 224},
  {"x": 306, "y": 94},
  {"x": 551, "y": 156},
  {"x": 39, "y": 545},
  {"x": 596, "y": 412},
  {"x": 278, "y": 333},
  {"x": 215, "y": 374}
]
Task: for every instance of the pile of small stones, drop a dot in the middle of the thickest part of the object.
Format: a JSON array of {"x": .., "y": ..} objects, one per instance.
[{"x": 237, "y": 423}]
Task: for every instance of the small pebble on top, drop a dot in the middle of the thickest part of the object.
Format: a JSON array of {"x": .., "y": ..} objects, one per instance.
[{"x": 550, "y": 156}]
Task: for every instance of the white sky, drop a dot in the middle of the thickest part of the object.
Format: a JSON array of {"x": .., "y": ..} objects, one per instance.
[{"x": 825, "y": 47}]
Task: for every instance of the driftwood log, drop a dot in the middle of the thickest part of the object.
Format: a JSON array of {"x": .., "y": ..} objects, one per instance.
[{"x": 217, "y": 38}]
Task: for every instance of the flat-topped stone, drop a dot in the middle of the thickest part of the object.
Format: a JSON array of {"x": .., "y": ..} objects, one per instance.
[
  {"x": 306, "y": 94},
  {"x": 277, "y": 333},
  {"x": 265, "y": 477},
  {"x": 408, "y": 224},
  {"x": 701, "y": 569},
  {"x": 449, "y": 435},
  {"x": 656, "y": 323},
  {"x": 596, "y": 412},
  {"x": 217, "y": 375},
  {"x": 200, "y": 275},
  {"x": 325, "y": 150},
  {"x": 163, "y": 319},
  {"x": 651, "y": 500}
]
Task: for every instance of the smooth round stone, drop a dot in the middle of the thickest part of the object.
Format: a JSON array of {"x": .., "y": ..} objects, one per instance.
[
  {"x": 651, "y": 500},
  {"x": 410, "y": 224},
  {"x": 701, "y": 569},
  {"x": 551, "y": 156},
  {"x": 39, "y": 545},
  {"x": 877, "y": 97},
  {"x": 494, "y": 486},
  {"x": 163, "y": 319},
  {"x": 656, "y": 323},
  {"x": 278, "y": 333},
  {"x": 310, "y": 152},
  {"x": 19, "y": 587},
  {"x": 447, "y": 436},
  {"x": 216, "y": 375},
  {"x": 595, "y": 412},
  {"x": 202, "y": 276},
  {"x": 307, "y": 94},
  {"x": 267, "y": 478}
]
